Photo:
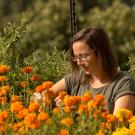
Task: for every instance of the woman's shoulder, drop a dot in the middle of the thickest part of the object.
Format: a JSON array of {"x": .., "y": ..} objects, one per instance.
[
  {"x": 123, "y": 81},
  {"x": 74, "y": 75},
  {"x": 123, "y": 76}
]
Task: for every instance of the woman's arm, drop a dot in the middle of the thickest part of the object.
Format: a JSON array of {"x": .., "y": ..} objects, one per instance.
[
  {"x": 126, "y": 101},
  {"x": 56, "y": 88},
  {"x": 59, "y": 86}
]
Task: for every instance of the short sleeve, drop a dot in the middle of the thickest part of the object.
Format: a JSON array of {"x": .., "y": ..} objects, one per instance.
[
  {"x": 72, "y": 82},
  {"x": 68, "y": 82},
  {"x": 125, "y": 86}
]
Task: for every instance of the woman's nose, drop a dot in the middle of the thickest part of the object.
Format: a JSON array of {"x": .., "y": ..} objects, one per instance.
[{"x": 80, "y": 62}]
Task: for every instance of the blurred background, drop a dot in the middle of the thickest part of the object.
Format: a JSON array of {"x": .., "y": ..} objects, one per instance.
[{"x": 42, "y": 25}]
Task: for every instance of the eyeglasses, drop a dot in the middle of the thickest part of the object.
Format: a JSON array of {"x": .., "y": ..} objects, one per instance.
[{"x": 82, "y": 57}]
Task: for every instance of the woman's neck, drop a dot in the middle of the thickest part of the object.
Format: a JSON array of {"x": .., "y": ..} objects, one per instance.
[{"x": 100, "y": 79}]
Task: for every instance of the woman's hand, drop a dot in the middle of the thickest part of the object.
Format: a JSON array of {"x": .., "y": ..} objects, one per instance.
[
  {"x": 58, "y": 101},
  {"x": 36, "y": 97}
]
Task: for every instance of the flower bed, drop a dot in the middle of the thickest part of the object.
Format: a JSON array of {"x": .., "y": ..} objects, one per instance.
[{"x": 20, "y": 113}]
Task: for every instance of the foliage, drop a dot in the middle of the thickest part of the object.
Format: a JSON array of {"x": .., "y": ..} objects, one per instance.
[
  {"x": 50, "y": 28},
  {"x": 9, "y": 37},
  {"x": 50, "y": 24},
  {"x": 117, "y": 20},
  {"x": 132, "y": 65},
  {"x": 51, "y": 66}
]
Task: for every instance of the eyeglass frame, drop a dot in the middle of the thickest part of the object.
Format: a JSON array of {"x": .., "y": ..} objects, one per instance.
[{"x": 82, "y": 57}]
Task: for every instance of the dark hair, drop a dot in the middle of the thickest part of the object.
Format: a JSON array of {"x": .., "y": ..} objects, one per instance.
[{"x": 97, "y": 39}]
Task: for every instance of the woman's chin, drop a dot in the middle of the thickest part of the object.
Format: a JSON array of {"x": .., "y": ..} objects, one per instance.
[{"x": 87, "y": 72}]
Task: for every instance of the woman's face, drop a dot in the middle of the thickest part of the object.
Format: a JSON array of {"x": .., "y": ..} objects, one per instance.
[{"x": 85, "y": 57}]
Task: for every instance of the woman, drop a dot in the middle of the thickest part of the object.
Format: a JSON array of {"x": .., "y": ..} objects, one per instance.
[{"x": 95, "y": 68}]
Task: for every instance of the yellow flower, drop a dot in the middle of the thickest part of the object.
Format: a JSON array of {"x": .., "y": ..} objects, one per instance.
[
  {"x": 67, "y": 121},
  {"x": 124, "y": 114},
  {"x": 100, "y": 132},
  {"x": 132, "y": 126},
  {"x": 121, "y": 131},
  {"x": 132, "y": 123}
]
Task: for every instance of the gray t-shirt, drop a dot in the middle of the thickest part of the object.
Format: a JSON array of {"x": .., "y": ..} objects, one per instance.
[{"x": 120, "y": 85}]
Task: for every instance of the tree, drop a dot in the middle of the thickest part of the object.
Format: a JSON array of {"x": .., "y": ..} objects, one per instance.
[{"x": 118, "y": 21}]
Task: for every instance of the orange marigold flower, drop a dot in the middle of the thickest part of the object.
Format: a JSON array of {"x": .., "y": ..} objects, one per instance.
[
  {"x": 4, "y": 89},
  {"x": 104, "y": 113},
  {"x": 86, "y": 97},
  {"x": 3, "y": 100},
  {"x": 4, "y": 115},
  {"x": 3, "y": 128},
  {"x": 82, "y": 109},
  {"x": 16, "y": 107},
  {"x": 24, "y": 84},
  {"x": 27, "y": 69},
  {"x": 49, "y": 121},
  {"x": 34, "y": 107},
  {"x": 17, "y": 126},
  {"x": 49, "y": 93},
  {"x": 35, "y": 78},
  {"x": 29, "y": 119},
  {"x": 1, "y": 120},
  {"x": 98, "y": 100},
  {"x": 100, "y": 132},
  {"x": 42, "y": 116},
  {"x": 97, "y": 113},
  {"x": 63, "y": 132},
  {"x": 3, "y": 78},
  {"x": 47, "y": 101},
  {"x": 111, "y": 118},
  {"x": 67, "y": 109},
  {"x": 67, "y": 121},
  {"x": 62, "y": 94},
  {"x": 56, "y": 110},
  {"x": 69, "y": 101},
  {"x": 47, "y": 84},
  {"x": 21, "y": 114},
  {"x": 39, "y": 88},
  {"x": 35, "y": 125},
  {"x": 4, "y": 68},
  {"x": 15, "y": 99}
]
